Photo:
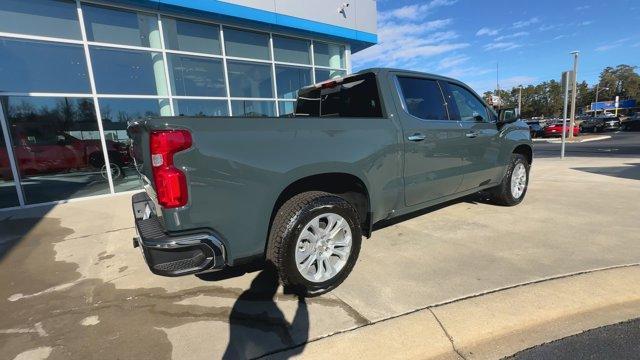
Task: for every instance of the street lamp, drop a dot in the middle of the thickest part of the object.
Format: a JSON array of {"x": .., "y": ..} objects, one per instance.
[{"x": 597, "y": 92}]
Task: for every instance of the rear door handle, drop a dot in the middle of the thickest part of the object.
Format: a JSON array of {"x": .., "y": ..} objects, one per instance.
[
  {"x": 471, "y": 134},
  {"x": 417, "y": 137}
]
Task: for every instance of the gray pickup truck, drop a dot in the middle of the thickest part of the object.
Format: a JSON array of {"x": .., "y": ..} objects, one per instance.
[{"x": 300, "y": 191}]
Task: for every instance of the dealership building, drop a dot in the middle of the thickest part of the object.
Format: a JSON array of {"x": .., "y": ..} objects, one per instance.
[{"x": 74, "y": 73}]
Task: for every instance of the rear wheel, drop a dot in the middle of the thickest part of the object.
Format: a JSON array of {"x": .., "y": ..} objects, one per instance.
[
  {"x": 314, "y": 242},
  {"x": 513, "y": 187}
]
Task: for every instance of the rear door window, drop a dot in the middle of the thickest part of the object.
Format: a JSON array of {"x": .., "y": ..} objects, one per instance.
[
  {"x": 356, "y": 96},
  {"x": 422, "y": 98}
]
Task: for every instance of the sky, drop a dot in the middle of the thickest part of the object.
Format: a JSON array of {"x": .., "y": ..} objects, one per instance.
[{"x": 530, "y": 40}]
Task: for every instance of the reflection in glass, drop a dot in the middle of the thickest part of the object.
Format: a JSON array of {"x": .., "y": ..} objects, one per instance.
[
  {"x": 113, "y": 26},
  {"x": 191, "y": 36},
  {"x": 40, "y": 17},
  {"x": 290, "y": 79},
  {"x": 250, "y": 79},
  {"x": 57, "y": 146},
  {"x": 116, "y": 114},
  {"x": 291, "y": 50},
  {"x": 23, "y": 69},
  {"x": 196, "y": 76},
  {"x": 252, "y": 108},
  {"x": 329, "y": 55},
  {"x": 324, "y": 75},
  {"x": 286, "y": 107},
  {"x": 8, "y": 196},
  {"x": 246, "y": 44},
  {"x": 201, "y": 107},
  {"x": 128, "y": 72}
]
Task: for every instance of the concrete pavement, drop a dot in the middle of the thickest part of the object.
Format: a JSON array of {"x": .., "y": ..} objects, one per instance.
[{"x": 71, "y": 285}]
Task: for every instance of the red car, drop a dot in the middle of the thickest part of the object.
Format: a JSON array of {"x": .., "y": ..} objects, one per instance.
[{"x": 556, "y": 130}]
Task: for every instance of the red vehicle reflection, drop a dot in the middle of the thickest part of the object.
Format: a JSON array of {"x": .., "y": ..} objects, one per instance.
[{"x": 58, "y": 152}]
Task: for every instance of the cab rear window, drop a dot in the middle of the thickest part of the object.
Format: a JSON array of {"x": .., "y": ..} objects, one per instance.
[{"x": 355, "y": 96}]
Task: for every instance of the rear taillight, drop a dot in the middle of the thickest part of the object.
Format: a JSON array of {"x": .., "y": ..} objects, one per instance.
[{"x": 170, "y": 182}]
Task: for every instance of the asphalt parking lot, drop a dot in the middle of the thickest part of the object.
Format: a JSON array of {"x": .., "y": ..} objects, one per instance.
[{"x": 72, "y": 286}]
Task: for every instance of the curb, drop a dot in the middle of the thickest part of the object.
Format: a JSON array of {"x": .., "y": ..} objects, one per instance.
[
  {"x": 493, "y": 324},
  {"x": 559, "y": 141}
]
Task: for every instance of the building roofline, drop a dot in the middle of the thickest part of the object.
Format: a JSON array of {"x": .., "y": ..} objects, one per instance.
[{"x": 234, "y": 13}]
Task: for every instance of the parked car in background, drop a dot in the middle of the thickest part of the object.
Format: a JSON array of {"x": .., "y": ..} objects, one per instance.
[
  {"x": 300, "y": 192},
  {"x": 555, "y": 129},
  {"x": 612, "y": 123},
  {"x": 536, "y": 128},
  {"x": 632, "y": 124},
  {"x": 592, "y": 125}
]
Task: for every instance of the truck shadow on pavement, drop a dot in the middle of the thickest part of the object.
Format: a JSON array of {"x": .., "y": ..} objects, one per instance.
[{"x": 628, "y": 171}]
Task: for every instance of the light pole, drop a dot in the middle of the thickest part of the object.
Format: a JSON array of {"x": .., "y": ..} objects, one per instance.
[
  {"x": 596, "y": 102},
  {"x": 573, "y": 93},
  {"x": 520, "y": 102}
]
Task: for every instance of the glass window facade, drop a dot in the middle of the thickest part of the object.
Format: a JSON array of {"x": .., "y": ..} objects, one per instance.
[
  {"x": 142, "y": 64},
  {"x": 329, "y": 55},
  {"x": 130, "y": 72},
  {"x": 250, "y": 79},
  {"x": 187, "y": 107},
  {"x": 8, "y": 195},
  {"x": 23, "y": 69},
  {"x": 196, "y": 76},
  {"x": 324, "y": 74},
  {"x": 291, "y": 50},
  {"x": 290, "y": 79},
  {"x": 40, "y": 17},
  {"x": 253, "y": 108},
  {"x": 191, "y": 36},
  {"x": 246, "y": 44},
  {"x": 109, "y": 25}
]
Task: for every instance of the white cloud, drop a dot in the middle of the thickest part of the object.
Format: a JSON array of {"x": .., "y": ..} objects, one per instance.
[
  {"x": 406, "y": 44},
  {"x": 583, "y": 7},
  {"x": 452, "y": 61},
  {"x": 562, "y": 36},
  {"x": 612, "y": 45},
  {"x": 487, "y": 31},
  {"x": 413, "y": 12},
  {"x": 506, "y": 45},
  {"x": 547, "y": 27},
  {"x": 585, "y": 23},
  {"x": 511, "y": 36},
  {"x": 525, "y": 23}
]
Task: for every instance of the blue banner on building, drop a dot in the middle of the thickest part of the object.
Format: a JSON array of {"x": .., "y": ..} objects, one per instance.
[{"x": 606, "y": 105}]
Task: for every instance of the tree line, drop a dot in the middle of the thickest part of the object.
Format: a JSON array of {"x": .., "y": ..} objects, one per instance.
[{"x": 547, "y": 98}]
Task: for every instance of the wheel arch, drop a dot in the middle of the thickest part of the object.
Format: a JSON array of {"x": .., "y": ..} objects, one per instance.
[
  {"x": 348, "y": 186},
  {"x": 524, "y": 150}
]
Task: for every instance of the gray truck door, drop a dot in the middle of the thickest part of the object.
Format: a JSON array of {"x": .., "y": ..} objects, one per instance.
[
  {"x": 481, "y": 147},
  {"x": 432, "y": 158}
]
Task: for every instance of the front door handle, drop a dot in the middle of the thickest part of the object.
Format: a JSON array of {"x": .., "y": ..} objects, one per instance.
[
  {"x": 417, "y": 137},
  {"x": 471, "y": 134}
]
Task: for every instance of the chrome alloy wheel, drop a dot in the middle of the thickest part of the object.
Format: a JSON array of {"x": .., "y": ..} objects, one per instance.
[
  {"x": 323, "y": 247},
  {"x": 518, "y": 180}
]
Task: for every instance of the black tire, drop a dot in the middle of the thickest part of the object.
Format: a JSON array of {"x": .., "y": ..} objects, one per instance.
[
  {"x": 501, "y": 194},
  {"x": 287, "y": 225}
]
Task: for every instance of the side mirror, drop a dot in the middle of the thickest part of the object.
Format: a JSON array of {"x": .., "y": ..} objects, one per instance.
[{"x": 506, "y": 116}]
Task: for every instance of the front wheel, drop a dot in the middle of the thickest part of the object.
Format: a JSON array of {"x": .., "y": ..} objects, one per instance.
[
  {"x": 513, "y": 187},
  {"x": 314, "y": 242}
]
